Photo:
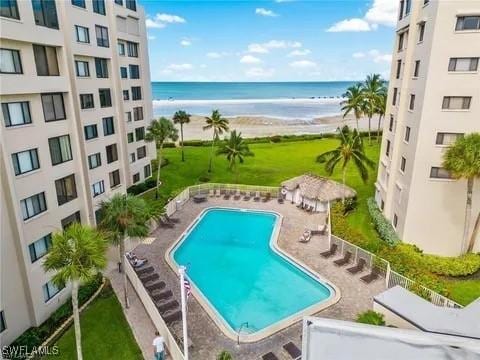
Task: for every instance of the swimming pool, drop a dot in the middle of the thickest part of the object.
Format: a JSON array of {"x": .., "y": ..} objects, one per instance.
[{"x": 241, "y": 277}]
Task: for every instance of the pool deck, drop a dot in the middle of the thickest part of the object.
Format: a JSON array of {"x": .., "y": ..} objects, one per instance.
[{"x": 207, "y": 339}]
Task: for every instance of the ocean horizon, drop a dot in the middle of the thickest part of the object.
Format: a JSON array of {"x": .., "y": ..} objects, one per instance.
[{"x": 285, "y": 100}]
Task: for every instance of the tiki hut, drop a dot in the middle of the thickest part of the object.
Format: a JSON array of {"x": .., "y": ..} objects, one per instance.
[{"x": 314, "y": 191}]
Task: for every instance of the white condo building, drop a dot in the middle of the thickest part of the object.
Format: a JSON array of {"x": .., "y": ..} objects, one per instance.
[
  {"x": 75, "y": 94},
  {"x": 433, "y": 97}
]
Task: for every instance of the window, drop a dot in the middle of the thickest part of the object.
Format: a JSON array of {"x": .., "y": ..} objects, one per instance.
[
  {"x": 421, "y": 31},
  {"x": 82, "y": 69},
  {"x": 86, "y": 101},
  {"x": 101, "y": 68},
  {"x": 403, "y": 164},
  {"x": 134, "y": 71},
  {"x": 468, "y": 23},
  {"x": 66, "y": 189},
  {"x": 132, "y": 49},
  {"x": 16, "y": 113},
  {"x": 402, "y": 7},
  {"x": 128, "y": 116},
  {"x": 138, "y": 113},
  {"x": 79, "y": 3},
  {"x": 463, "y": 64},
  {"x": 102, "y": 36},
  {"x": 416, "y": 69},
  {"x": 25, "y": 161},
  {"x": 141, "y": 152},
  {"x": 60, "y": 150},
  {"x": 147, "y": 171},
  {"x": 53, "y": 107},
  {"x": 40, "y": 247},
  {"x": 401, "y": 38},
  {"x": 46, "y": 60},
  {"x": 83, "y": 35},
  {"x": 108, "y": 127},
  {"x": 411, "y": 104},
  {"x": 131, "y": 4},
  {"x": 387, "y": 148},
  {"x": 9, "y": 8},
  {"x": 395, "y": 220},
  {"x": 112, "y": 154},
  {"x": 50, "y": 290},
  {"x": 69, "y": 220},
  {"x": 94, "y": 160},
  {"x": 456, "y": 102},
  {"x": 10, "y": 62},
  {"x": 390, "y": 124},
  {"x": 130, "y": 138},
  {"x": 99, "y": 6},
  {"x": 394, "y": 97},
  {"x": 98, "y": 216},
  {"x": 136, "y": 93},
  {"x": 45, "y": 13},
  {"x": 439, "y": 173},
  {"x": 114, "y": 178},
  {"x": 123, "y": 72},
  {"x": 133, "y": 157},
  {"x": 90, "y": 132},
  {"x": 119, "y": 2},
  {"x": 33, "y": 205},
  {"x": 3, "y": 324},
  {"x": 407, "y": 134},
  {"x": 136, "y": 178},
  {"x": 126, "y": 95},
  {"x": 121, "y": 48},
  {"x": 399, "y": 69},
  {"x": 140, "y": 133},
  {"x": 105, "y": 97},
  {"x": 447, "y": 138},
  {"x": 98, "y": 188},
  {"x": 408, "y": 6}
]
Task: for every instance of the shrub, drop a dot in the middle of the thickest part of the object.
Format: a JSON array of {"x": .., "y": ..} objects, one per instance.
[
  {"x": 276, "y": 139},
  {"x": 224, "y": 355},
  {"x": 384, "y": 228},
  {"x": 371, "y": 317},
  {"x": 204, "y": 178},
  {"x": 457, "y": 266},
  {"x": 169, "y": 145},
  {"x": 350, "y": 205}
]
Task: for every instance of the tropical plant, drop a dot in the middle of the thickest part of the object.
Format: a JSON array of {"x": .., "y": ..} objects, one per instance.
[
  {"x": 373, "y": 88},
  {"x": 219, "y": 126},
  {"x": 371, "y": 317},
  {"x": 354, "y": 102},
  {"x": 160, "y": 131},
  {"x": 381, "y": 108},
  {"x": 234, "y": 148},
  {"x": 462, "y": 160},
  {"x": 350, "y": 149},
  {"x": 224, "y": 355},
  {"x": 125, "y": 216},
  {"x": 76, "y": 256},
  {"x": 181, "y": 117}
]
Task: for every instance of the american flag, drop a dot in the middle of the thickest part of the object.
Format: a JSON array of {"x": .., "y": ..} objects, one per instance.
[{"x": 187, "y": 286}]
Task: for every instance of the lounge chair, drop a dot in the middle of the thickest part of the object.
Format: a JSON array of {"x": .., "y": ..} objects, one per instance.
[
  {"x": 357, "y": 268},
  {"x": 267, "y": 197},
  {"x": 257, "y": 196},
  {"x": 155, "y": 286},
  {"x": 172, "y": 220},
  {"x": 172, "y": 317},
  {"x": 345, "y": 260},
  {"x": 306, "y": 237},
  {"x": 220, "y": 193},
  {"x": 148, "y": 277},
  {"x": 374, "y": 274},
  {"x": 300, "y": 206},
  {"x": 292, "y": 350},
  {"x": 321, "y": 230},
  {"x": 211, "y": 192},
  {"x": 166, "y": 224},
  {"x": 162, "y": 295},
  {"x": 269, "y": 356},
  {"x": 247, "y": 196},
  {"x": 164, "y": 306},
  {"x": 330, "y": 252},
  {"x": 199, "y": 198},
  {"x": 280, "y": 199},
  {"x": 227, "y": 195},
  {"x": 237, "y": 195},
  {"x": 144, "y": 270}
]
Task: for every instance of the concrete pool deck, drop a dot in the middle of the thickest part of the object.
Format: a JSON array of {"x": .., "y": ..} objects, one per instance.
[{"x": 207, "y": 339}]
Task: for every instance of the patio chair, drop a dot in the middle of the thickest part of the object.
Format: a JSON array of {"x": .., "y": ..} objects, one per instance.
[
  {"x": 321, "y": 230},
  {"x": 162, "y": 295},
  {"x": 227, "y": 195},
  {"x": 269, "y": 356},
  {"x": 172, "y": 317},
  {"x": 212, "y": 192},
  {"x": 164, "y": 306},
  {"x": 247, "y": 196},
  {"x": 292, "y": 350},
  {"x": 144, "y": 270},
  {"x": 345, "y": 260},
  {"x": 357, "y": 268},
  {"x": 149, "y": 277},
  {"x": 220, "y": 193},
  {"x": 257, "y": 196},
  {"x": 330, "y": 252},
  {"x": 374, "y": 274},
  {"x": 267, "y": 197},
  {"x": 237, "y": 195},
  {"x": 155, "y": 287},
  {"x": 306, "y": 237},
  {"x": 172, "y": 220}
]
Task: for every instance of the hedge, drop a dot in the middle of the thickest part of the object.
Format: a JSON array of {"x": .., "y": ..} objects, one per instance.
[
  {"x": 384, "y": 228},
  {"x": 371, "y": 317}
]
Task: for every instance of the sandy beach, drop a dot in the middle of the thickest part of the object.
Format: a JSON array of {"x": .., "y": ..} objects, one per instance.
[{"x": 251, "y": 126}]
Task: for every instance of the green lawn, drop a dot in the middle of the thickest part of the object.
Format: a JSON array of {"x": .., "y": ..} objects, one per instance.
[{"x": 105, "y": 333}]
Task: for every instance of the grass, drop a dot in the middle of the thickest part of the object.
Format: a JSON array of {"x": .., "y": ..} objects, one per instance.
[{"x": 105, "y": 333}]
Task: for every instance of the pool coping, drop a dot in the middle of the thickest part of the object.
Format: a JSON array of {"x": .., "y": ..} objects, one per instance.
[{"x": 273, "y": 243}]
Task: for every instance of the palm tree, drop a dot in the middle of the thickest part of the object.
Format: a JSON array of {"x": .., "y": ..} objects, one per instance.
[
  {"x": 354, "y": 102},
  {"x": 219, "y": 126},
  {"x": 234, "y": 148},
  {"x": 381, "y": 108},
  {"x": 76, "y": 256},
  {"x": 125, "y": 216},
  {"x": 350, "y": 149},
  {"x": 160, "y": 131},
  {"x": 373, "y": 87},
  {"x": 181, "y": 117},
  {"x": 462, "y": 160}
]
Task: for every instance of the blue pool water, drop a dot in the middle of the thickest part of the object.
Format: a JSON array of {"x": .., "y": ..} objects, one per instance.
[{"x": 229, "y": 259}]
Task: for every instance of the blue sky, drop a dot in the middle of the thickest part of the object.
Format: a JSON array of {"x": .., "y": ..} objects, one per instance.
[{"x": 277, "y": 40}]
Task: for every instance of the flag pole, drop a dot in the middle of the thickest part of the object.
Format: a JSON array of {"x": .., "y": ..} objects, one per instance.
[{"x": 181, "y": 270}]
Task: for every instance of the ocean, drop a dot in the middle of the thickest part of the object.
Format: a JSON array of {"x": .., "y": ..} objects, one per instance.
[{"x": 284, "y": 100}]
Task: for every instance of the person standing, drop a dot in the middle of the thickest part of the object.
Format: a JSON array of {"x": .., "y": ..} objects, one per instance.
[{"x": 158, "y": 346}]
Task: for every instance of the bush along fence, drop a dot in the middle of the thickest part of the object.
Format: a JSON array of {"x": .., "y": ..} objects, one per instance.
[{"x": 384, "y": 228}]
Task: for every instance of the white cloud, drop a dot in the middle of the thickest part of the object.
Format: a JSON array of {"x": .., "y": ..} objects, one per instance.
[
  {"x": 382, "y": 12},
  {"x": 273, "y": 44},
  {"x": 299, "y": 52},
  {"x": 217, "y": 55},
  {"x": 177, "y": 68},
  {"x": 161, "y": 20},
  {"x": 358, "y": 55},
  {"x": 151, "y": 24},
  {"x": 265, "y": 12},
  {"x": 185, "y": 42},
  {"x": 259, "y": 72},
  {"x": 303, "y": 64},
  {"x": 151, "y": 37},
  {"x": 250, "y": 59},
  {"x": 375, "y": 55}
]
